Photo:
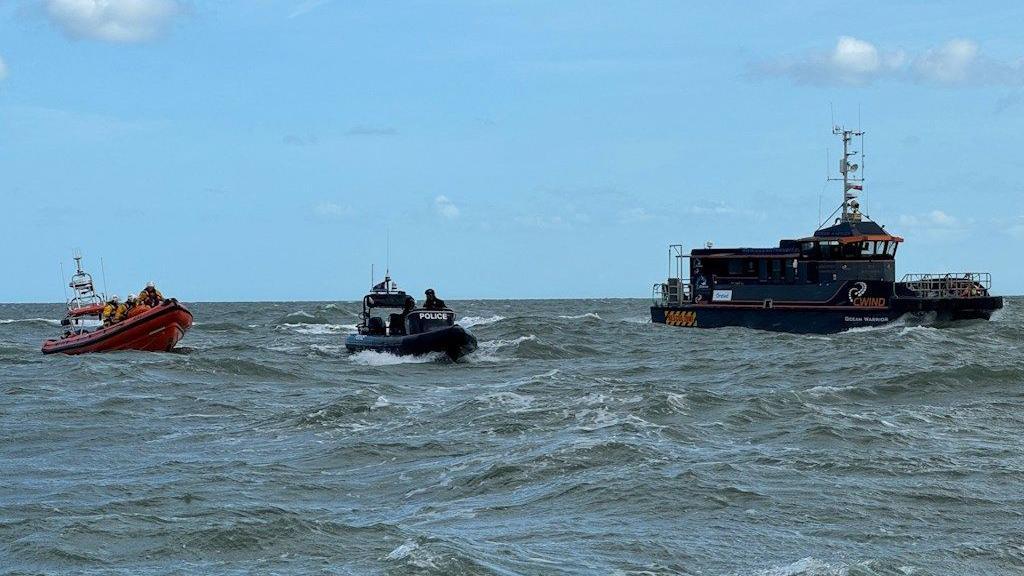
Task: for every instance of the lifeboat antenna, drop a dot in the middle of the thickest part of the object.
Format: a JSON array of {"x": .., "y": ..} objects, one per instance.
[
  {"x": 852, "y": 182},
  {"x": 103, "y": 271},
  {"x": 62, "y": 280}
]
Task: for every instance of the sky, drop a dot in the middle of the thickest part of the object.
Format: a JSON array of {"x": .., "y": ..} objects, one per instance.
[{"x": 275, "y": 149}]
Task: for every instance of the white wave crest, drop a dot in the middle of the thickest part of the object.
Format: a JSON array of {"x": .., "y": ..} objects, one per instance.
[
  {"x": 469, "y": 321},
  {"x": 807, "y": 567},
  {"x": 300, "y": 314},
  {"x": 487, "y": 350},
  {"x": 591, "y": 315},
  {"x": 19, "y": 320},
  {"x": 504, "y": 343},
  {"x": 321, "y": 329},
  {"x": 509, "y": 401},
  {"x": 374, "y": 358}
]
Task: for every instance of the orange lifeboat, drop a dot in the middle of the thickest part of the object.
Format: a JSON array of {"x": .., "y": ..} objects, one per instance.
[
  {"x": 149, "y": 329},
  {"x": 156, "y": 329}
]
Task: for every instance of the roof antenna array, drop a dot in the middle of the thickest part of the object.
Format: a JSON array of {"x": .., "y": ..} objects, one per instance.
[{"x": 853, "y": 183}]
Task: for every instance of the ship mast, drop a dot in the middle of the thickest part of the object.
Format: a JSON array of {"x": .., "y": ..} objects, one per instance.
[{"x": 852, "y": 183}]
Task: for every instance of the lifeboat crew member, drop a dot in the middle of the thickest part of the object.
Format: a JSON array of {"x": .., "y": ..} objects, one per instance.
[
  {"x": 433, "y": 302},
  {"x": 150, "y": 296},
  {"x": 113, "y": 312}
]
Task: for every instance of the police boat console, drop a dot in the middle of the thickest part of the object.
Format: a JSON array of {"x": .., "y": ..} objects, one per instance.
[
  {"x": 390, "y": 322},
  {"x": 841, "y": 277}
]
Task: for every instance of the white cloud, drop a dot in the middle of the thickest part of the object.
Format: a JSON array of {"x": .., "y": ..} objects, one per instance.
[
  {"x": 543, "y": 222},
  {"x": 952, "y": 63},
  {"x": 854, "y": 61},
  {"x": 1015, "y": 228},
  {"x": 634, "y": 216},
  {"x": 710, "y": 208},
  {"x": 331, "y": 210},
  {"x": 372, "y": 131},
  {"x": 3, "y": 69},
  {"x": 933, "y": 219},
  {"x": 306, "y": 7},
  {"x": 446, "y": 207},
  {"x": 113, "y": 20}
]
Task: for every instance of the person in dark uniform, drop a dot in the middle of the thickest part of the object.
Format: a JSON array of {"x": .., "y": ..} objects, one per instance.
[
  {"x": 433, "y": 302},
  {"x": 397, "y": 322}
]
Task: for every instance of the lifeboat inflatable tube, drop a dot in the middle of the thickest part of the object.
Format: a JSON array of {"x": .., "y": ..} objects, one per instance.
[
  {"x": 91, "y": 310},
  {"x": 157, "y": 329},
  {"x": 453, "y": 341}
]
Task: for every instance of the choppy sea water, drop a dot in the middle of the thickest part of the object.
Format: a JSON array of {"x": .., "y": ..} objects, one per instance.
[{"x": 579, "y": 439}]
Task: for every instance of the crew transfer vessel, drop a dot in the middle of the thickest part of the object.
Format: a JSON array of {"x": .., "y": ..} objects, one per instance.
[{"x": 843, "y": 276}]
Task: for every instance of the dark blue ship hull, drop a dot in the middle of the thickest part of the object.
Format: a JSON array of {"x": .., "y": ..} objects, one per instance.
[
  {"x": 823, "y": 319},
  {"x": 453, "y": 341}
]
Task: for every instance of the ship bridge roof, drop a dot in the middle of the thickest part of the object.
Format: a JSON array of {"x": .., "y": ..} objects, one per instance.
[{"x": 846, "y": 232}]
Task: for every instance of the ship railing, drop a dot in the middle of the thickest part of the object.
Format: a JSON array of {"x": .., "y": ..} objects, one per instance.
[
  {"x": 949, "y": 285},
  {"x": 673, "y": 292}
]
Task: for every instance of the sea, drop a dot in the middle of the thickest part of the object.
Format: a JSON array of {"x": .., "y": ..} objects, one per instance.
[{"x": 579, "y": 439}]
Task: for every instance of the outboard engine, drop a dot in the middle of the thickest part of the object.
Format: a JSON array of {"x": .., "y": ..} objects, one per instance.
[{"x": 419, "y": 321}]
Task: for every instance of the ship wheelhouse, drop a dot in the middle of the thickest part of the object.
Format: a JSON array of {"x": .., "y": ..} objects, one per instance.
[{"x": 803, "y": 270}]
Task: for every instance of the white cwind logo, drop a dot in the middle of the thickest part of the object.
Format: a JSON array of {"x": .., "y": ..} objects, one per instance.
[{"x": 857, "y": 291}]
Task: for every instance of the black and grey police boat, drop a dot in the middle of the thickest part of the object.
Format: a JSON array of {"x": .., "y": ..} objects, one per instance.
[
  {"x": 407, "y": 330},
  {"x": 841, "y": 277}
]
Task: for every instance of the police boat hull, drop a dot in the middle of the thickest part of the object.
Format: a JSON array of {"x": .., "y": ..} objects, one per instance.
[
  {"x": 158, "y": 329},
  {"x": 453, "y": 341}
]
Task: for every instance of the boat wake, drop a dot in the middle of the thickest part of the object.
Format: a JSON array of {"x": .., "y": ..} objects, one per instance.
[{"x": 374, "y": 358}]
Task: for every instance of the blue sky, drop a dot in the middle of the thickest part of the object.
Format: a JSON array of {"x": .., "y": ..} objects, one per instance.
[{"x": 265, "y": 149}]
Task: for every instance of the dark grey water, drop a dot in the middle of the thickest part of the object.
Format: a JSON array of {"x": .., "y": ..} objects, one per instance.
[{"x": 579, "y": 439}]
